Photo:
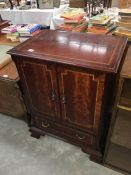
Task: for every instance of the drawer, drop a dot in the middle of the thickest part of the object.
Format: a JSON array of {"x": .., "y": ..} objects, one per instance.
[{"x": 61, "y": 130}]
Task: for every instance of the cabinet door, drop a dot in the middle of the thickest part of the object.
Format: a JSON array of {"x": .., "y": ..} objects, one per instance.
[
  {"x": 40, "y": 86},
  {"x": 81, "y": 96}
]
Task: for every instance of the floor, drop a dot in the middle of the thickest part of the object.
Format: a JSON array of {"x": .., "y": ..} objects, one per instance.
[{"x": 21, "y": 154}]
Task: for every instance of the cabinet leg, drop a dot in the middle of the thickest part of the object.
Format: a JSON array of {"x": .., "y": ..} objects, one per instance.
[
  {"x": 96, "y": 159},
  {"x": 95, "y": 156},
  {"x": 35, "y": 135}
]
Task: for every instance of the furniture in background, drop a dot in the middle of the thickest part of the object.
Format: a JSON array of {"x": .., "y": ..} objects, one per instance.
[
  {"x": 11, "y": 100},
  {"x": 118, "y": 151},
  {"x": 77, "y": 3},
  {"x": 35, "y": 16},
  {"x": 90, "y": 6},
  {"x": 41, "y": 16},
  {"x": 68, "y": 82},
  {"x": 107, "y": 3},
  {"x": 125, "y": 3},
  {"x": 3, "y": 23}
]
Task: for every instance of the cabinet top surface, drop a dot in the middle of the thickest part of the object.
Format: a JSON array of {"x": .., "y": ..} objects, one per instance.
[{"x": 99, "y": 52}]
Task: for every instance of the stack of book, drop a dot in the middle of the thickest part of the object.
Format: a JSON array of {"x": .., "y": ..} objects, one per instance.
[
  {"x": 14, "y": 37},
  {"x": 100, "y": 24},
  {"x": 74, "y": 20},
  {"x": 11, "y": 32},
  {"x": 81, "y": 27},
  {"x": 28, "y": 31},
  {"x": 124, "y": 24},
  {"x": 21, "y": 32}
]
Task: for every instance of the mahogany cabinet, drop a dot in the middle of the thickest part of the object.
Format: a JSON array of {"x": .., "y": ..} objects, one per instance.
[{"x": 68, "y": 80}]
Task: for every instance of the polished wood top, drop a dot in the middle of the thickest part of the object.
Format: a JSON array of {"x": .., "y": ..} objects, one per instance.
[
  {"x": 99, "y": 52},
  {"x": 126, "y": 69}
]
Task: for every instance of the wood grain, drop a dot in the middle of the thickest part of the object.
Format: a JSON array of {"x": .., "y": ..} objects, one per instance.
[{"x": 99, "y": 52}]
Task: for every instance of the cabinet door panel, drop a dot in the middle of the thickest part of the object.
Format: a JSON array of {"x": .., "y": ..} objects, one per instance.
[
  {"x": 81, "y": 96},
  {"x": 40, "y": 85}
]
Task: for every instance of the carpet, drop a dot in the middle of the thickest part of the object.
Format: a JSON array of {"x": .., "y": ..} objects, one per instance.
[{"x": 20, "y": 154}]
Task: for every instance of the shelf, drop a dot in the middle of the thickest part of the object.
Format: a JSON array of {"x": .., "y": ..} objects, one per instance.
[
  {"x": 122, "y": 128},
  {"x": 126, "y": 102},
  {"x": 124, "y": 108}
]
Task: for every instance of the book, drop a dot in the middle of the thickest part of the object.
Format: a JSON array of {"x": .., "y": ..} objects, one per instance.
[
  {"x": 125, "y": 18},
  {"x": 77, "y": 21},
  {"x": 109, "y": 24},
  {"x": 123, "y": 32},
  {"x": 12, "y": 34},
  {"x": 125, "y": 12},
  {"x": 14, "y": 37},
  {"x": 123, "y": 24},
  {"x": 96, "y": 30},
  {"x": 74, "y": 27},
  {"x": 99, "y": 30},
  {"x": 11, "y": 28},
  {"x": 124, "y": 29},
  {"x": 100, "y": 19},
  {"x": 73, "y": 14},
  {"x": 68, "y": 27},
  {"x": 22, "y": 39},
  {"x": 81, "y": 27},
  {"x": 73, "y": 17},
  {"x": 30, "y": 34},
  {"x": 29, "y": 28}
]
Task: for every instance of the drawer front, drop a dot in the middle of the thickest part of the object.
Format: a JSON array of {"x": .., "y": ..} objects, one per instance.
[{"x": 62, "y": 131}]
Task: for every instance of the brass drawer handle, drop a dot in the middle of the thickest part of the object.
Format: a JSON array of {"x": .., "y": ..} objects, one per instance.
[
  {"x": 80, "y": 137},
  {"x": 45, "y": 125}
]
